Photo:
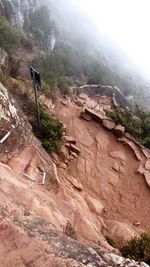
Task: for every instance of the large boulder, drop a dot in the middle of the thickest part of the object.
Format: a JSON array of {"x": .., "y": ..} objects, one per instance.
[
  {"x": 95, "y": 115},
  {"x": 108, "y": 124}
]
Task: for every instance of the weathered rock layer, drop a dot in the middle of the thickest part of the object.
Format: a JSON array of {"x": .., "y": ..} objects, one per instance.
[{"x": 18, "y": 11}]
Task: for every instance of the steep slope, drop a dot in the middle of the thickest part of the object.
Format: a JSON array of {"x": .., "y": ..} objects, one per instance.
[
  {"x": 107, "y": 170},
  {"x": 87, "y": 193},
  {"x": 30, "y": 236}
]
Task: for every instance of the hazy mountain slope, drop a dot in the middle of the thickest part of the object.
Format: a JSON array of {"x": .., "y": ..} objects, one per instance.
[{"x": 78, "y": 29}]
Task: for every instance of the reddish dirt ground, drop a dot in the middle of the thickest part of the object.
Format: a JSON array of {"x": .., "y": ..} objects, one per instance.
[{"x": 125, "y": 193}]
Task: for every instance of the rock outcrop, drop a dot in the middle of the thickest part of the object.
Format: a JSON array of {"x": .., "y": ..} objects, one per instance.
[
  {"x": 108, "y": 124},
  {"x": 18, "y": 12},
  {"x": 21, "y": 150},
  {"x": 117, "y": 96},
  {"x": 95, "y": 115},
  {"x": 119, "y": 130},
  {"x": 3, "y": 60}
]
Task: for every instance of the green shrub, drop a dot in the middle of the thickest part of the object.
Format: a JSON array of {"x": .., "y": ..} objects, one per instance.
[
  {"x": 138, "y": 248},
  {"x": 47, "y": 89},
  {"x": 139, "y": 127},
  {"x": 14, "y": 67},
  {"x": 146, "y": 142},
  {"x": 50, "y": 132},
  {"x": 39, "y": 35},
  {"x": 111, "y": 241},
  {"x": 10, "y": 37},
  {"x": 62, "y": 84},
  {"x": 27, "y": 43},
  {"x": 42, "y": 26}
]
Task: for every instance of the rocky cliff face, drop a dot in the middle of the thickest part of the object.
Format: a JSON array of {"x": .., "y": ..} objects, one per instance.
[
  {"x": 18, "y": 11},
  {"x": 3, "y": 60},
  {"x": 112, "y": 91}
]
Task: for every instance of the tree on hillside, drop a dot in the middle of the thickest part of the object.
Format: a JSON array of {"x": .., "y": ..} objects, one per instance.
[
  {"x": 10, "y": 37},
  {"x": 42, "y": 26}
]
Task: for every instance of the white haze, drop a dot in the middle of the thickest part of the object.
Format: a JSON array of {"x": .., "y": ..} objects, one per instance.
[{"x": 125, "y": 22}]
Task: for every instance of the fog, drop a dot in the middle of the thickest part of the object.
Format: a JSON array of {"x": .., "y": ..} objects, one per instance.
[
  {"x": 125, "y": 22},
  {"x": 121, "y": 26}
]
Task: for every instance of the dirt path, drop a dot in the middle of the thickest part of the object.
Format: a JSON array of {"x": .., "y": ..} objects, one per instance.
[{"x": 111, "y": 179}]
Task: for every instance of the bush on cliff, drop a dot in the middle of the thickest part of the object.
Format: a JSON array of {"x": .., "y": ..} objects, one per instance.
[
  {"x": 111, "y": 241},
  {"x": 42, "y": 26},
  {"x": 27, "y": 43},
  {"x": 50, "y": 132},
  {"x": 10, "y": 37},
  {"x": 139, "y": 126},
  {"x": 138, "y": 248}
]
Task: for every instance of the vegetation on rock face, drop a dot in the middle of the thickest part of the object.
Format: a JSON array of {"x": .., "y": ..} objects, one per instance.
[
  {"x": 73, "y": 55},
  {"x": 111, "y": 241},
  {"x": 138, "y": 248},
  {"x": 50, "y": 132},
  {"x": 27, "y": 43},
  {"x": 42, "y": 26},
  {"x": 53, "y": 72},
  {"x": 10, "y": 37},
  {"x": 67, "y": 61},
  {"x": 139, "y": 126}
]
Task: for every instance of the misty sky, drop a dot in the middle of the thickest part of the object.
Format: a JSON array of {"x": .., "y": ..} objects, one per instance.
[{"x": 127, "y": 22}]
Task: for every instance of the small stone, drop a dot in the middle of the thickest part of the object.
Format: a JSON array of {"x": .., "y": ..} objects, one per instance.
[
  {"x": 84, "y": 260},
  {"x": 85, "y": 116},
  {"x": 76, "y": 184},
  {"x": 64, "y": 102},
  {"x": 74, "y": 155},
  {"x": 147, "y": 165},
  {"x": 69, "y": 139},
  {"x": 116, "y": 167},
  {"x": 63, "y": 165},
  {"x": 119, "y": 130},
  {"x": 137, "y": 223},
  {"x": 73, "y": 148}
]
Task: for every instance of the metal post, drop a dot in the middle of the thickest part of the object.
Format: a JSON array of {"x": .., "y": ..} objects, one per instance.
[
  {"x": 36, "y": 101},
  {"x": 35, "y": 76}
]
